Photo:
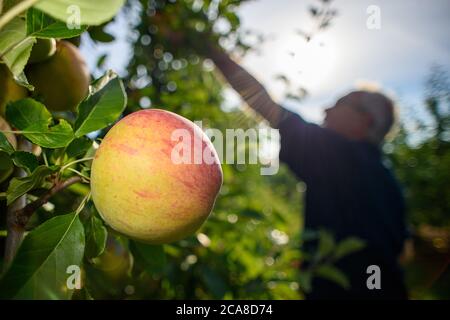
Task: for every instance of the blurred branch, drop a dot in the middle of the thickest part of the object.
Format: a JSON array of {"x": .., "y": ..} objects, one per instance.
[
  {"x": 15, "y": 233},
  {"x": 322, "y": 17}
]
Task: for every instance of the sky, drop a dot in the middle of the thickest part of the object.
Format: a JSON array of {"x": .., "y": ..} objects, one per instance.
[{"x": 413, "y": 35}]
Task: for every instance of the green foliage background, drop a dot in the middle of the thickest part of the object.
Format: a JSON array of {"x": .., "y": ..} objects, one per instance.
[{"x": 249, "y": 248}]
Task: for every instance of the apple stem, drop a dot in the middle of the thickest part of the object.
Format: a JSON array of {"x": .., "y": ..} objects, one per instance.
[
  {"x": 75, "y": 161},
  {"x": 80, "y": 174}
]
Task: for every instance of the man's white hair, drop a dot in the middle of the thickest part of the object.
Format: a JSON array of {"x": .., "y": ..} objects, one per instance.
[{"x": 381, "y": 108}]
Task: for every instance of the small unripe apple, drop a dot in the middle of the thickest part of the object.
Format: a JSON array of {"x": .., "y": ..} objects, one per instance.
[
  {"x": 142, "y": 189},
  {"x": 62, "y": 81},
  {"x": 9, "y": 90},
  {"x": 42, "y": 50},
  {"x": 116, "y": 261}
]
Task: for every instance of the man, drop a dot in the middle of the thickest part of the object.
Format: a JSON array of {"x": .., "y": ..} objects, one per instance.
[{"x": 349, "y": 191}]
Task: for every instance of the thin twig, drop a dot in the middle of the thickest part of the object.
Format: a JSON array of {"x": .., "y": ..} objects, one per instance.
[
  {"x": 80, "y": 174},
  {"x": 75, "y": 161},
  {"x": 83, "y": 203},
  {"x": 23, "y": 215}
]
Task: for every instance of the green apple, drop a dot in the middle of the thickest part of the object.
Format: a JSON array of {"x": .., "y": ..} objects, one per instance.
[
  {"x": 62, "y": 81},
  {"x": 116, "y": 261},
  {"x": 42, "y": 50},
  {"x": 142, "y": 189},
  {"x": 9, "y": 90}
]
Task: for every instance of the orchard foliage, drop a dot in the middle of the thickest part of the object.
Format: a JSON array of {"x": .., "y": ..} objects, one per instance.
[
  {"x": 53, "y": 151},
  {"x": 422, "y": 165},
  {"x": 420, "y": 156},
  {"x": 250, "y": 247}
]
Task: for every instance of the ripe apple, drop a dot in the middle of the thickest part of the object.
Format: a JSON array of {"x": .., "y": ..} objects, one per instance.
[
  {"x": 138, "y": 188},
  {"x": 62, "y": 81},
  {"x": 9, "y": 90},
  {"x": 6, "y": 164}
]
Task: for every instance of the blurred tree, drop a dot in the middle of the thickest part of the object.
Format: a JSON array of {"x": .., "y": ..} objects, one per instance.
[{"x": 424, "y": 167}]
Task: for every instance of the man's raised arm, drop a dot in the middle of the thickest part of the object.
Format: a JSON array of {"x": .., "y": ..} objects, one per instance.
[
  {"x": 301, "y": 142},
  {"x": 250, "y": 89}
]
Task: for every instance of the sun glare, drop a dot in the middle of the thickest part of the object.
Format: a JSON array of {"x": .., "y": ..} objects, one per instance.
[{"x": 307, "y": 64}]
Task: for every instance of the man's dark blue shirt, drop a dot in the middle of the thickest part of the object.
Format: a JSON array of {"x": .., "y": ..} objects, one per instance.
[{"x": 349, "y": 193}]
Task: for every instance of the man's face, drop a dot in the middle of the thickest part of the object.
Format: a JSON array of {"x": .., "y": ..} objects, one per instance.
[{"x": 347, "y": 118}]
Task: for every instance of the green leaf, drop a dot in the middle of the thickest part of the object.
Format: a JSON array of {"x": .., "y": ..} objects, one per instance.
[
  {"x": 40, "y": 25},
  {"x": 309, "y": 235},
  {"x": 57, "y": 136},
  {"x": 87, "y": 11},
  {"x": 152, "y": 257},
  {"x": 305, "y": 280},
  {"x": 15, "y": 49},
  {"x": 326, "y": 244},
  {"x": 98, "y": 34},
  {"x": 332, "y": 273},
  {"x": 19, "y": 186},
  {"x": 25, "y": 160},
  {"x": 214, "y": 282},
  {"x": 27, "y": 112},
  {"x": 6, "y": 166},
  {"x": 347, "y": 246},
  {"x": 96, "y": 235},
  {"x": 101, "y": 60},
  {"x": 78, "y": 147},
  {"x": 5, "y": 162},
  {"x": 35, "y": 122},
  {"x": 251, "y": 214},
  {"x": 103, "y": 107},
  {"x": 5, "y": 145},
  {"x": 39, "y": 270}
]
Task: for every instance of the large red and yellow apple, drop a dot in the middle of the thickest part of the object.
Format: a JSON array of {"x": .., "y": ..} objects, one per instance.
[{"x": 142, "y": 189}]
